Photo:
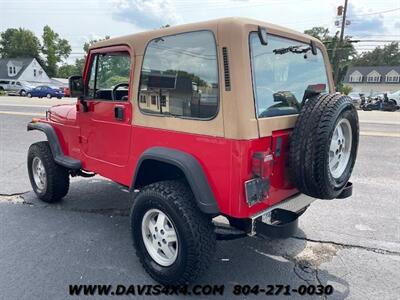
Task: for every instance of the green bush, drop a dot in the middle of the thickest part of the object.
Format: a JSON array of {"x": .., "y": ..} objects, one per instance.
[{"x": 346, "y": 89}]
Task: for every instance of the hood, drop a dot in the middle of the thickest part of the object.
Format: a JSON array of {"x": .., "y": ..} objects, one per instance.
[{"x": 65, "y": 114}]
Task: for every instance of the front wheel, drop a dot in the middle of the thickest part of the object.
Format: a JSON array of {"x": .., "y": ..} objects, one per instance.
[
  {"x": 49, "y": 181},
  {"x": 174, "y": 240},
  {"x": 22, "y": 93},
  {"x": 29, "y": 95}
]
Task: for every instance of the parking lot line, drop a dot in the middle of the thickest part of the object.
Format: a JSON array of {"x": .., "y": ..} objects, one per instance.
[
  {"x": 25, "y": 105},
  {"x": 380, "y": 133},
  {"x": 19, "y": 113}
]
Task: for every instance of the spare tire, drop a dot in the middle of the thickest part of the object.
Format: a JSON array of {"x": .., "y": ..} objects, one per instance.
[{"x": 323, "y": 146}]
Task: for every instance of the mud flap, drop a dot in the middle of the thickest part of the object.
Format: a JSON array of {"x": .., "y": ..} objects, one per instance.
[{"x": 279, "y": 223}]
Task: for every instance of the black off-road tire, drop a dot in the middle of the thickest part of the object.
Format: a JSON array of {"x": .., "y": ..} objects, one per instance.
[
  {"x": 310, "y": 142},
  {"x": 195, "y": 231},
  {"x": 57, "y": 177}
]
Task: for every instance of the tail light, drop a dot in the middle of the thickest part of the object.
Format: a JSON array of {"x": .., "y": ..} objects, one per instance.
[
  {"x": 257, "y": 188},
  {"x": 262, "y": 164}
]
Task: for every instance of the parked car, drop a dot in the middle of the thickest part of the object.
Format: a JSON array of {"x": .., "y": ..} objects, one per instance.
[
  {"x": 17, "y": 87},
  {"x": 380, "y": 102},
  {"x": 395, "y": 97},
  {"x": 45, "y": 91},
  {"x": 4, "y": 85},
  {"x": 209, "y": 127},
  {"x": 356, "y": 98}
]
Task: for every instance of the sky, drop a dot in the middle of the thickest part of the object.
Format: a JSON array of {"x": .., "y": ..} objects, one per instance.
[{"x": 82, "y": 20}]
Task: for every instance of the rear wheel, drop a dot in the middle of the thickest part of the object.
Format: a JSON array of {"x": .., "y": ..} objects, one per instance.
[
  {"x": 49, "y": 180},
  {"x": 174, "y": 241},
  {"x": 323, "y": 146},
  {"x": 48, "y": 96},
  {"x": 29, "y": 95}
]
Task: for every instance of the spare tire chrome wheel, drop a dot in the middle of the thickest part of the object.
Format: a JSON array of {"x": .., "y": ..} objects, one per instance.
[
  {"x": 159, "y": 237},
  {"x": 323, "y": 146},
  {"x": 340, "y": 148}
]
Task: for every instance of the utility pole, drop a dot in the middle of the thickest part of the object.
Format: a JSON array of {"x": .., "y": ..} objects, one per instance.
[{"x": 340, "y": 44}]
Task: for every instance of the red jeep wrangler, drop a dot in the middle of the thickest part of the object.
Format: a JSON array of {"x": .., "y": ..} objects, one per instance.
[{"x": 231, "y": 117}]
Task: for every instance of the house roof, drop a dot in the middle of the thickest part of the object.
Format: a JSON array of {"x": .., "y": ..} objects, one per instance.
[
  {"x": 364, "y": 70},
  {"x": 23, "y": 62}
]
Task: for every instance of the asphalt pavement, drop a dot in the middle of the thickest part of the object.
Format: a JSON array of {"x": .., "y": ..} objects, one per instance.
[{"x": 351, "y": 244}]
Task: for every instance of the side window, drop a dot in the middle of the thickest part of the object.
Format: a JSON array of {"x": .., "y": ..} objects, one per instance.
[
  {"x": 109, "y": 76},
  {"x": 179, "y": 76},
  {"x": 92, "y": 74}
]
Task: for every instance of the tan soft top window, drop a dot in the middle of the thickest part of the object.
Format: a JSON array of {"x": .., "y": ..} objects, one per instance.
[
  {"x": 179, "y": 76},
  {"x": 282, "y": 71}
]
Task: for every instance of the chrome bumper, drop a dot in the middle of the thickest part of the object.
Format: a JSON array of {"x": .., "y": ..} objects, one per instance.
[{"x": 294, "y": 204}]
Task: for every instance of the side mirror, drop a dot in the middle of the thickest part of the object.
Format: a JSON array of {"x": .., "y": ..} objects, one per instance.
[
  {"x": 76, "y": 86},
  {"x": 263, "y": 35}
]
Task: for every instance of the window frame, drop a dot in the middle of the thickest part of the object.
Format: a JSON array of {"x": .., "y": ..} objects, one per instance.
[
  {"x": 144, "y": 112},
  {"x": 252, "y": 73},
  {"x": 93, "y": 53}
]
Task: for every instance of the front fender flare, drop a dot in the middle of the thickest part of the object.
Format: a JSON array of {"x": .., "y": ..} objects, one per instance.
[
  {"x": 58, "y": 154},
  {"x": 192, "y": 170}
]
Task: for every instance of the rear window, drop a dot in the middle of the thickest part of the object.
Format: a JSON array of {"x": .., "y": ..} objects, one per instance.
[{"x": 281, "y": 73}]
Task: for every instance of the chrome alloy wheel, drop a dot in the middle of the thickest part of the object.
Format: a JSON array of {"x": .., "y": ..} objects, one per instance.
[
  {"x": 39, "y": 174},
  {"x": 340, "y": 148},
  {"x": 159, "y": 237}
]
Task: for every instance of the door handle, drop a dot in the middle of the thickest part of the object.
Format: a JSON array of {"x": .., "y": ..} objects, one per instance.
[{"x": 119, "y": 113}]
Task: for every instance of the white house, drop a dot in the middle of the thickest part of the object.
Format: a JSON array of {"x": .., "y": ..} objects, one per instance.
[
  {"x": 371, "y": 80},
  {"x": 23, "y": 69}
]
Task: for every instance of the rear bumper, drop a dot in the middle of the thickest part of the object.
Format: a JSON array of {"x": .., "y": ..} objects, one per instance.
[{"x": 294, "y": 204}]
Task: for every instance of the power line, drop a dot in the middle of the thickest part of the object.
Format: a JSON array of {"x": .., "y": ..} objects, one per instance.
[
  {"x": 376, "y": 13},
  {"x": 374, "y": 41}
]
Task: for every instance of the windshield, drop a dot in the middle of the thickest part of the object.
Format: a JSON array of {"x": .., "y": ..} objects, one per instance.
[{"x": 282, "y": 71}]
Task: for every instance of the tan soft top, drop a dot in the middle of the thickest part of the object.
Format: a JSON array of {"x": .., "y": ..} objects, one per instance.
[
  {"x": 236, "y": 117},
  {"x": 135, "y": 38}
]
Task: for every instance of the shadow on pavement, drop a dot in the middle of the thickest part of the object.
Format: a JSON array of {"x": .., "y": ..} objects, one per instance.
[{"x": 251, "y": 260}]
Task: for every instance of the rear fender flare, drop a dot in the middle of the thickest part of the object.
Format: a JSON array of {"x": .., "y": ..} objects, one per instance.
[{"x": 191, "y": 169}]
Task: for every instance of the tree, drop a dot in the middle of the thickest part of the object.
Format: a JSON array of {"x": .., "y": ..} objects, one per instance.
[
  {"x": 320, "y": 33},
  {"x": 55, "y": 49},
  {"x": 340, "y": 55},
  {"x": 87, "y": 45},
  {"x": 66, "y": 71},
  {"x": 79, "y": 65},
  {"x": 19, "y": 43},
  {"x": 77, "y": 68},
  {"x": 389, "y": 55},
  {"x": 346, "y": 89}
]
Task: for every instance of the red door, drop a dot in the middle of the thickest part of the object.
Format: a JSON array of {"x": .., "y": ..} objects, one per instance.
[{"x": 105, "y": 123}]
